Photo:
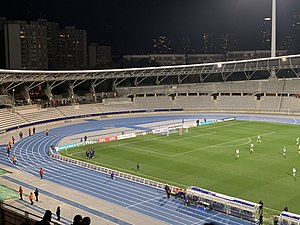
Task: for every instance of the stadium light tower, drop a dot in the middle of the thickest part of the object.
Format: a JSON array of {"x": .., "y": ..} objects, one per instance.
[
  {"x": 273, "y": 36},
  {"x": 273, "y": 41}
]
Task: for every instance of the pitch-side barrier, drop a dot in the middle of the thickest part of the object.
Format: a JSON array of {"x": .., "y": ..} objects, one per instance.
[{"x": 108, "y": 171}]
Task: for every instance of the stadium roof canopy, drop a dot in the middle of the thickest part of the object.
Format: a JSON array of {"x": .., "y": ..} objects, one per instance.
[{"x": 226, "y": 69}]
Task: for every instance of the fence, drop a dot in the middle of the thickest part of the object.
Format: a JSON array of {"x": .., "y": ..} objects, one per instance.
[
  {"x": 10, "y": 215},
  {"x": 126, "y": 176}
]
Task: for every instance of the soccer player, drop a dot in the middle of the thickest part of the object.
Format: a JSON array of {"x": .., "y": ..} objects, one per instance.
[
  {"x": 294, "y": 171},
  {"x": 138, "y": 167},
  {"x": 251, "y": 147},
  {"x": 237, "y": 153},
  {"x": 180, "y": 131},
  {"x": 258, "y": 139},
  {"x": 284, "y": 151},
  {"x": 297, "y": 141}
]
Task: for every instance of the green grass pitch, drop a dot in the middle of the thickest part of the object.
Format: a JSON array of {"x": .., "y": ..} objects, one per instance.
[{"x": 205, "y": 157}]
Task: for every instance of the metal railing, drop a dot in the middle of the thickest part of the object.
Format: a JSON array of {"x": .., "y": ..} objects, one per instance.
[
  {"x": 105, "y": 170},
  {"x": 11, "y": 215}
]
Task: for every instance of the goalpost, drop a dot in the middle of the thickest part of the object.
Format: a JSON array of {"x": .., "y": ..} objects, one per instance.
[{"x": 172, "y": 129}]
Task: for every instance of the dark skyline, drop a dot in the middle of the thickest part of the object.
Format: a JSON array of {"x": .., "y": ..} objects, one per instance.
[{"x": 129, "y": 25}]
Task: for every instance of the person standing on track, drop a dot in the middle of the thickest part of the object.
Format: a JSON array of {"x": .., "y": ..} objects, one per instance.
[
  {"x": 47, "y": 132},
  {"x": 8, "y": 150},
  {"x": 112, "y": 175},
  {"x": 31, "y": 198},
  {"x": 13, "y": 139},
  {"x": 36, "y": 193},
  {"x": 21, "y": 192},
  {"x": 168, "y": 191},
  {"x": 41, "y": 173},
  {"x": 21, "y": 135},
  {"x": 33, "y": 130},
  {"x": 14, "y": 159}
]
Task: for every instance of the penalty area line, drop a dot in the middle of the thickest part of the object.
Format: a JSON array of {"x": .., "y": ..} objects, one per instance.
[{"x": 220, "y": 144}]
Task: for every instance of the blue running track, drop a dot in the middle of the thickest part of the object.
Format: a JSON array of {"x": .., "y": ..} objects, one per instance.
[{"x": 32, "y": 154}]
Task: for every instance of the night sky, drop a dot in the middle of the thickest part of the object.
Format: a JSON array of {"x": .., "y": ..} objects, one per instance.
[{"x": 129, "y": 25}]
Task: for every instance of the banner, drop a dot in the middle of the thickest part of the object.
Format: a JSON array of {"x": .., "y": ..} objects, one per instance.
[
  {"x": 107, "y": 139},
  {"x": 125, "y": 136}
]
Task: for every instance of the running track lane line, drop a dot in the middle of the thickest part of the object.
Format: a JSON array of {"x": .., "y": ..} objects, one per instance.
[{"x": 69, "y": 202}]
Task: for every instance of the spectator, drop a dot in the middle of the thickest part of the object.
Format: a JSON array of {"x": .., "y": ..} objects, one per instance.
[
  {"x": 77, "y": 219},
  {"x": 46, "y": 218},
  {"x": 85, "y": 221},
  {"x": 58, "y": 213}
]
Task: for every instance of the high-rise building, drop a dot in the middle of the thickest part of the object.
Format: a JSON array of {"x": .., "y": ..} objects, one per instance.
[
  {"x": 72, "y": 48},
  {"x": 52, "y": 42},
  {"x": 266, "y": 34},
  {"x": 295, "y": 33},
  {"x": 228, "y": 42},
  {"x": 209, "y": 43},
  {"x": 2, "y": 43},
  {"x": 99, "y": 55},
  {"x": 25, "y": 45},
  {"x": 161, "y": 45},
  {"x": 186, "y": 45}
]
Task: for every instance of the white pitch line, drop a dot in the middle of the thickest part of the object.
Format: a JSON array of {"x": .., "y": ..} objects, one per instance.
[
  {"x": 184, "y": 138},
  {"x": 211, "y": 146}
]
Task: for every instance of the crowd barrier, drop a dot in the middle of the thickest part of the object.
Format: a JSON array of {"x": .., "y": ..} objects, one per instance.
[{"x": 10, "y": 215}]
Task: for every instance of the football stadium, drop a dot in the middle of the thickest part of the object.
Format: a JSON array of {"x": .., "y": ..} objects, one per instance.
[
  {"x": 190, "y": 138},
  {"x": 224, "y": 150}
]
